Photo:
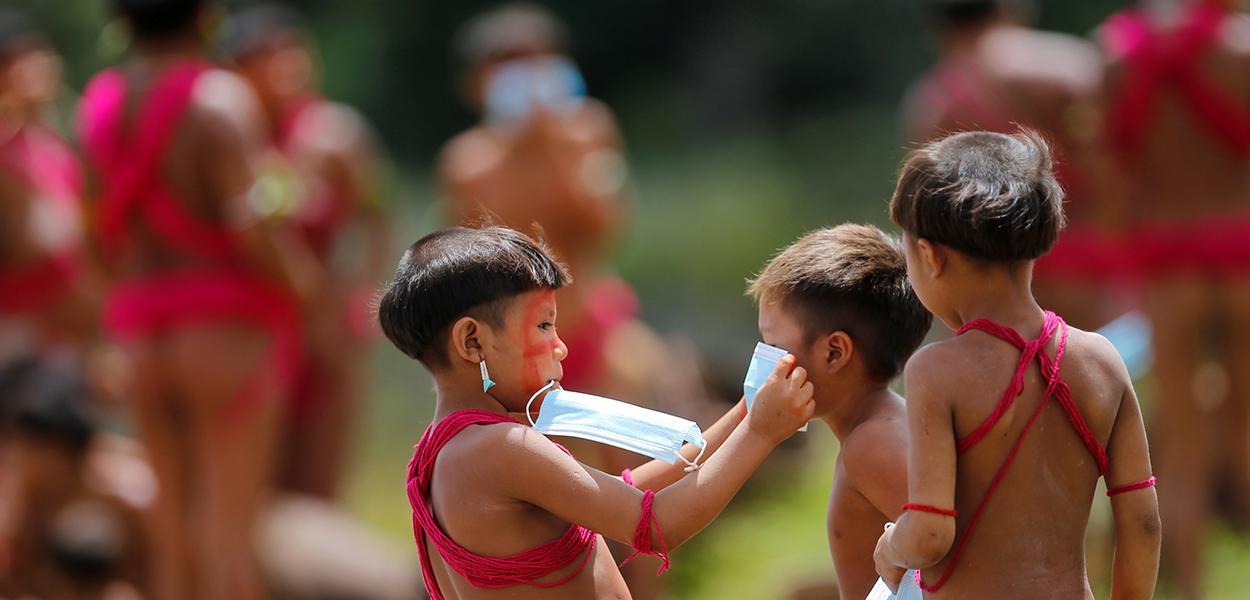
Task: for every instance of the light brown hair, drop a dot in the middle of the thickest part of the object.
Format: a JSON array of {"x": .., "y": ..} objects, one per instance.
[{"x": 849, "y": 278}]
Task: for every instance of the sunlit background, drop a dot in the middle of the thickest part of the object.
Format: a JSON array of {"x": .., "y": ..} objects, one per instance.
[{"x": 745, "y": 123}]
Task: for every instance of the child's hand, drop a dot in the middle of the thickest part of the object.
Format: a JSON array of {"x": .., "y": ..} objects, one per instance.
[
  {"x": 890, "y": 573},
  {"x": 784, "y": 403}
]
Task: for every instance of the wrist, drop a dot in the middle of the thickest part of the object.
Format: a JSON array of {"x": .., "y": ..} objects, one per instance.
[{"x": 756, "y": 434}]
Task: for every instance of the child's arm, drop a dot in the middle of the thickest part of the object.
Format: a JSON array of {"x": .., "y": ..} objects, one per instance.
[
  {"x": 920, "y": 539},
  {"x": 656, "y": 474},
  {"x": 537, "y": 472},
  {"x": 1138, "y": 532}
]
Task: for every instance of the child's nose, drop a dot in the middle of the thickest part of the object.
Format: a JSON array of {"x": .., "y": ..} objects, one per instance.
[{"x": 561, "y": 351}]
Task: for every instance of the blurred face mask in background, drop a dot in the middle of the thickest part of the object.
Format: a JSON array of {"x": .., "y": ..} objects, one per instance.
[
  {"x": 620, "y": 424},
  {"x": 518, "y": 86}
]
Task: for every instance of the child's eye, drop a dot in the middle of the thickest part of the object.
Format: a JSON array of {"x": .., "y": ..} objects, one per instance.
[{"x": 546, "y": 325}]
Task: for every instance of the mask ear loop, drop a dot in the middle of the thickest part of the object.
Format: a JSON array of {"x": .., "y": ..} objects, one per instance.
[
  {"x": 549, "y": 385},
  {"x": 693, "y": 466}
]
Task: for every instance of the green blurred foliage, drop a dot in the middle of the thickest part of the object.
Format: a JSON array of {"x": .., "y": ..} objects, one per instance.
[{"x": 675, "y": 71}]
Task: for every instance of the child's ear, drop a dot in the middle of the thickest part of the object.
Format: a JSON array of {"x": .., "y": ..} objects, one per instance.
[
  {"x": 838, "y": 351},
  {"x": 933, "y": 257},
  {"x": 468, "y": 338}
]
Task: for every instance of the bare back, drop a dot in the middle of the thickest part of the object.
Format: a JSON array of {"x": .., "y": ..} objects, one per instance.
[
  {"x": 208, "y": 162},
  {"x": 1208, "y": 178},
  {"x": 1030, "y": 539}
]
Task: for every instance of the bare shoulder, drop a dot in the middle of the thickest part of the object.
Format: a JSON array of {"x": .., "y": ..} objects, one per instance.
[
  {"x": 1069, "y": 61},
  {"x": 876, "y": 447},
  {"x": 597, "y": 117},
  {"x": 937, "y": 366},
  {"x": 1236, "y": 35},
  {"x": 500, "y": 449},
  {"x": 468, "y": 155},
  {"x": 336, "y": 128},
  {"x": 1098, "y": 355},
  {"x": 223, "y": 102}
]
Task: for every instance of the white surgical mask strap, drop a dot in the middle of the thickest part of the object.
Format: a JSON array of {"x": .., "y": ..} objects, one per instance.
[
  {"x": 693, "y": 466},
  {"x": 529, "y": 415}
]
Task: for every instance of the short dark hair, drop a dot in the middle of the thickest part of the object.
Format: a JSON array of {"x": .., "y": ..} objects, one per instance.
[
  {"x": 159, "y": 18},
  {"x": 252, "y": 27},
  {"x": 850, "y": 278},
  {"x": 17, "y": 34},
  {"x": 48, "y": 400},
  {"x": 991, "y": 196},
  {"x": 456, "y": 272},
  {"x": 502, "y": 29}
]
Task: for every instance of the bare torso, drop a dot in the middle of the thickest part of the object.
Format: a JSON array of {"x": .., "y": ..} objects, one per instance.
[
  {"x": 490, "y": 524},
  {"x": 41, "y": 222},
  {"x": 858, "y": 513},
  {"x": 1030, "y": 540}
]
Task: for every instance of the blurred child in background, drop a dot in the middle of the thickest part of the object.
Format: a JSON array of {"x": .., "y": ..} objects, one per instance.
[
  {"x": 1179, "y": 122},
  {"x": 997, "y": 75},
  {"x": 72, "y": 522},
  {"x": 208, "y": 282},
  {"x": 47, "y": 299},
  {"x": 338, "y": 171}
]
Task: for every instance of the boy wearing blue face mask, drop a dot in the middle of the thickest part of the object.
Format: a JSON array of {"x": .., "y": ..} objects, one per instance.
[
  {"x": 839, "y": 301},
  {"x": 495, "y": 503}
]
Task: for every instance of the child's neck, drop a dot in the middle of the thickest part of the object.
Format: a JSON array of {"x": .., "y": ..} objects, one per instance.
[
  {"x": 1001, "y": 295},
  {"x": 455, "y": 393},
  {"x": 851, "y": 406}
]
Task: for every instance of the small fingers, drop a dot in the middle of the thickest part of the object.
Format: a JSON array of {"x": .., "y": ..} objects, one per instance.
[{"x": 798, "y": 377}]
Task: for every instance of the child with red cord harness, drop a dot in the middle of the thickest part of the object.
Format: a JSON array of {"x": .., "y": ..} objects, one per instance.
[
  {"x": 1012, "y": 421},
  {"x": 498, "y": 509}
]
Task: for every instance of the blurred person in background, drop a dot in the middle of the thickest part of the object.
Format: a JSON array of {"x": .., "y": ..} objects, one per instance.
[
  {"x": 548, "y": 160},
  {"x": 208, "y": 282},
  {"x": 337, "y": 168},
  {"x": 1179, "y": 122},
  {"x": 71, "y": 524},
  {"x": 994, "y": 74},
  {"x": 46, "y": 299}
]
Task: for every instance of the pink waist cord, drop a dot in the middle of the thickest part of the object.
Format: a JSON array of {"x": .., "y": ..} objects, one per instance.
[
  {"x": 642, "y": 536},
  {"x": 627, "y": 476},
  {"x": 1132, "y": 487}
]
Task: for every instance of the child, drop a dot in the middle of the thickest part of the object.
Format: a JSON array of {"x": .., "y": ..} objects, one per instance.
[
  {"x": 72, "y": 520},
  {"x": 513, "y": 510},
  {"x": 977, "y": 210},
  {"x": 839, "y": 301}
]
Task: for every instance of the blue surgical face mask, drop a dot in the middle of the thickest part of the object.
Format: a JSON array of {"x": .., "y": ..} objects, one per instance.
[
  {"x": 763, "y": 362},
  {"x": 519, "y": 85},
  {"x": 627, "y": 426}
]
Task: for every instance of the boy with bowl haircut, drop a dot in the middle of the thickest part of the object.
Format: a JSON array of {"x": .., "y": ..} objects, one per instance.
[
  {"x": 838, "y": 299},
  {"x": 1002, "y": 478},
  {"x": 498, "y": 505}
]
